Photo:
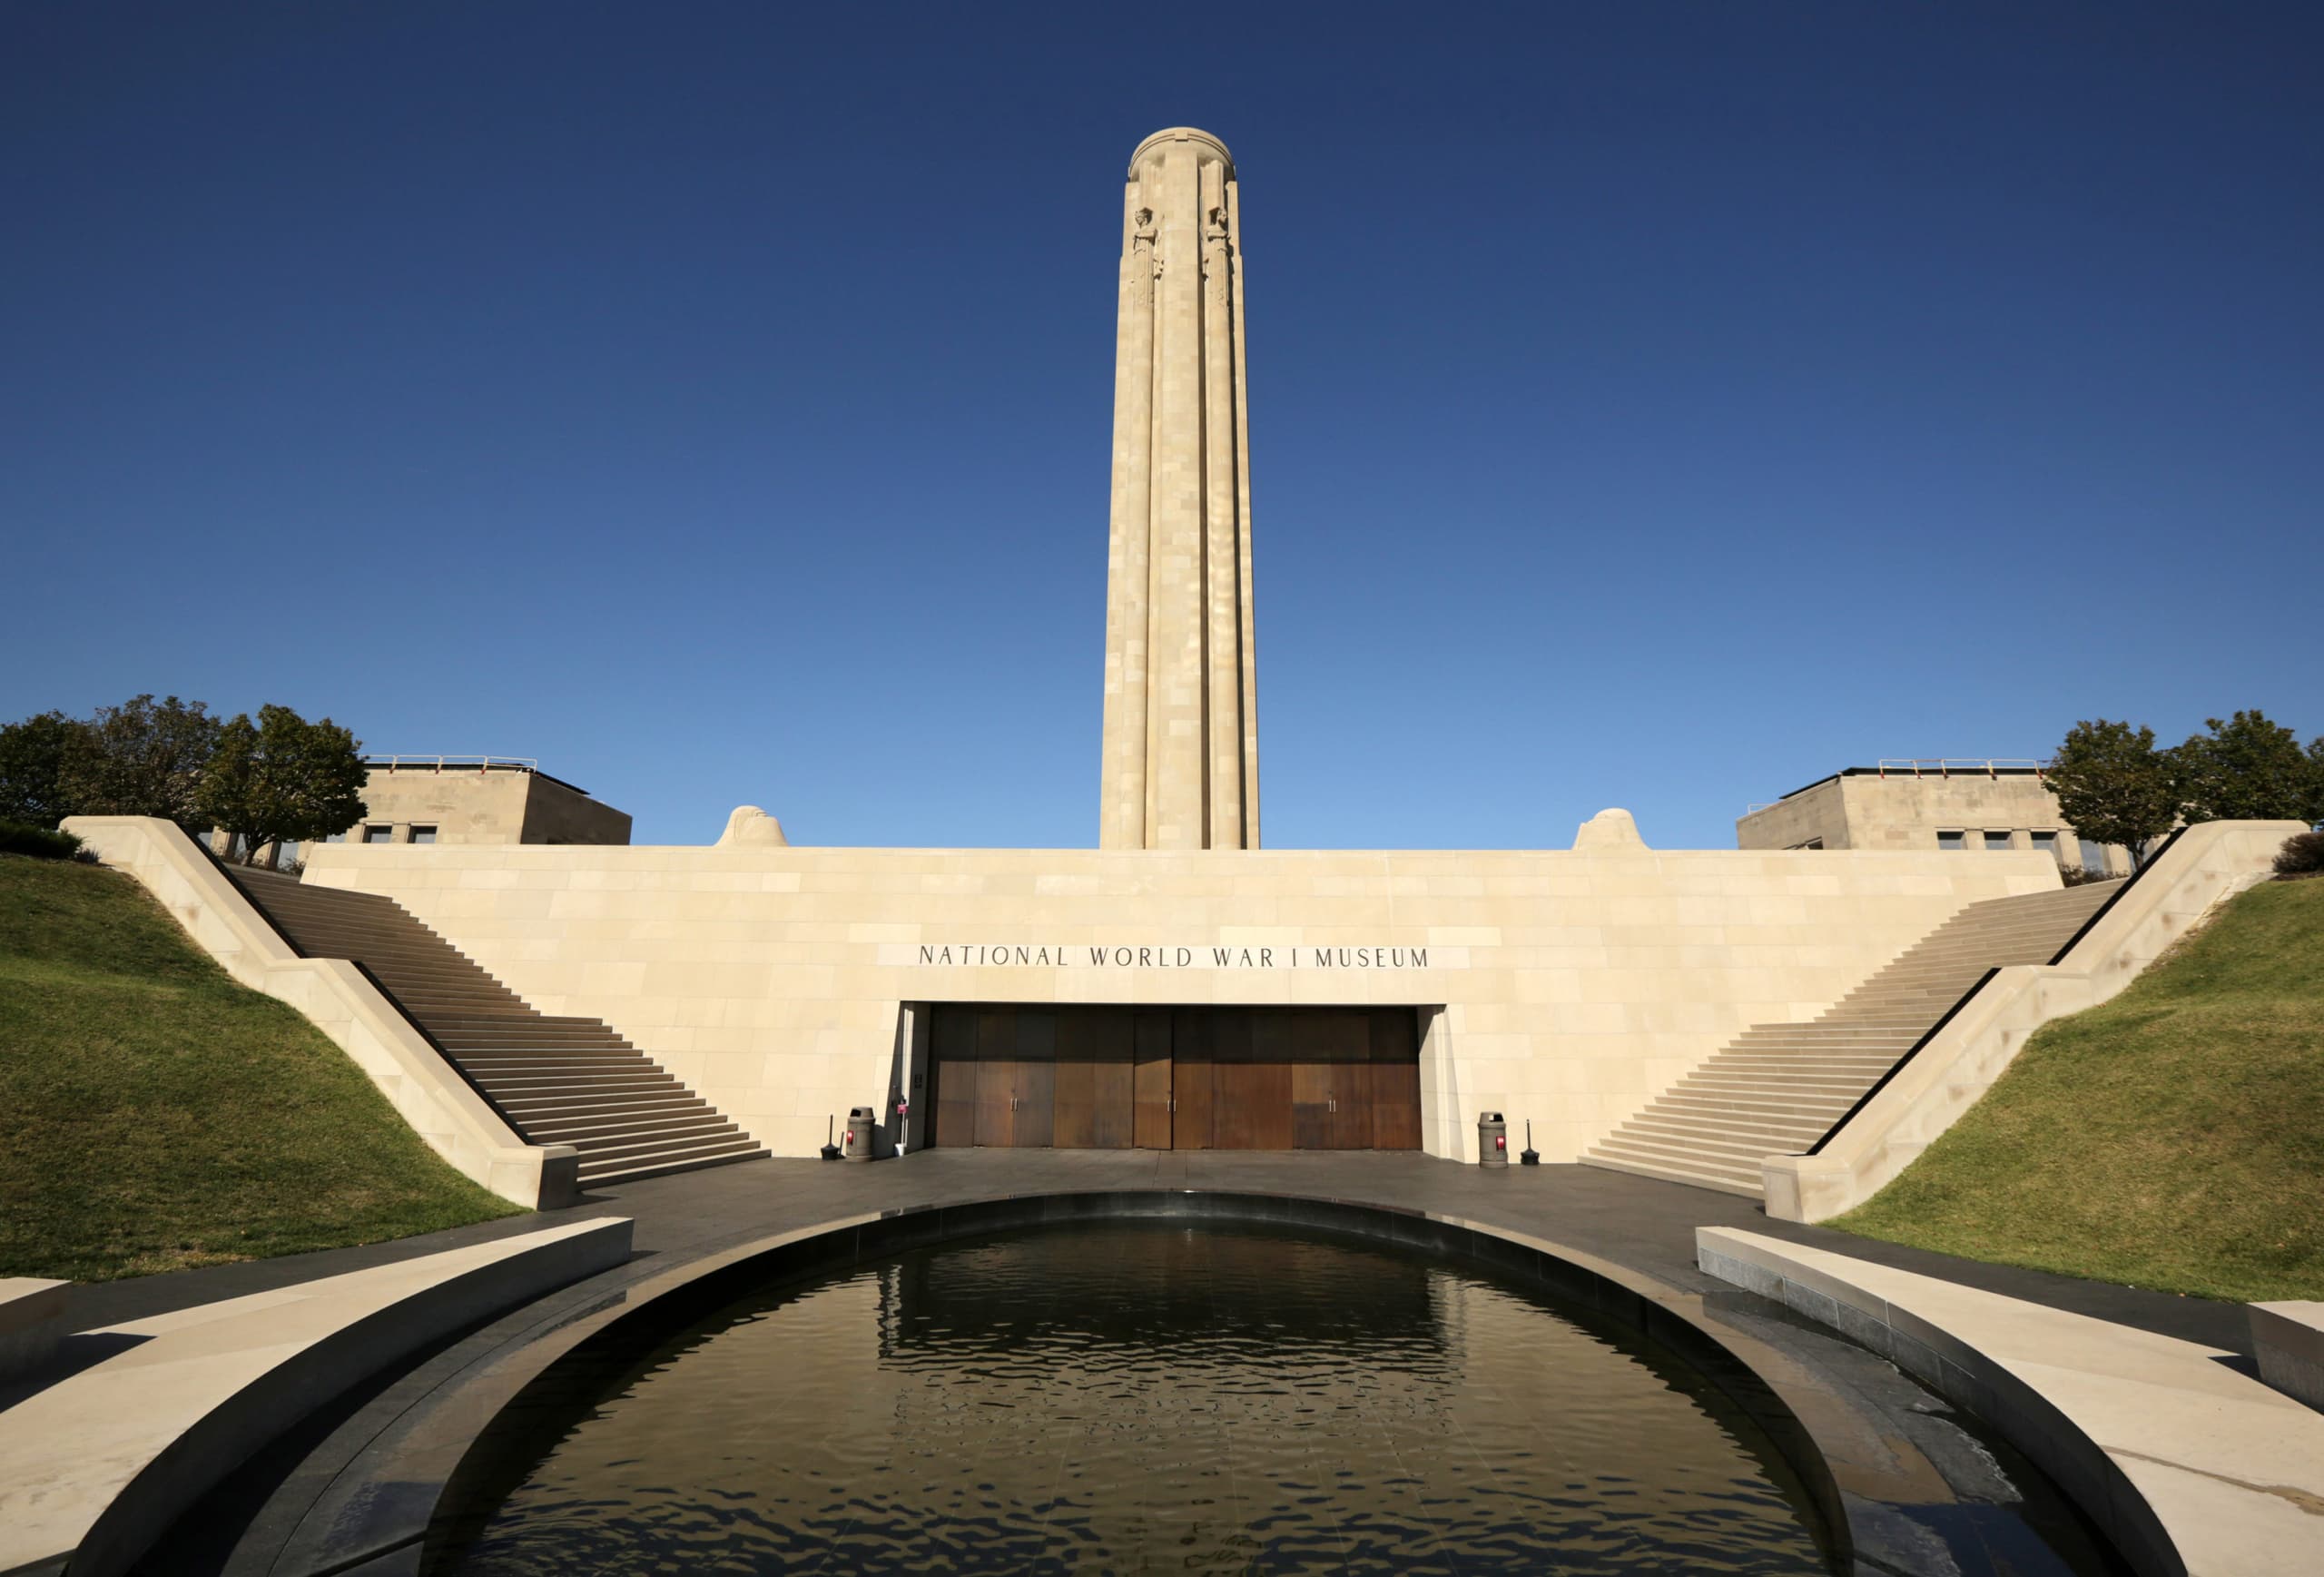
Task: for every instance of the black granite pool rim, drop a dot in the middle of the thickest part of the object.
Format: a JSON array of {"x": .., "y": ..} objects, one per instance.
[
  {"x": 1635, "y": 1302},
  {"x": 355, "y": 1489}
]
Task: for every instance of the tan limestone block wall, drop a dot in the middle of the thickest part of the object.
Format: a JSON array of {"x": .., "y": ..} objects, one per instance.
[{"x": 1575, "y": 986}]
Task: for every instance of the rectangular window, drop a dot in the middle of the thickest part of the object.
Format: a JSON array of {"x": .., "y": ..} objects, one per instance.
[
  {"x": 1996, "y": 841},
  {"x": 423, "y": 834},
  {"x": 378, "y": 834},
  {"x": 1811, "y": 843},
  {"x": 336, "y": 838},
  {"x": 2044, "y": 844},
  {"x": 1952, "y": 840},
  {"x": 2093, "y": 857}
]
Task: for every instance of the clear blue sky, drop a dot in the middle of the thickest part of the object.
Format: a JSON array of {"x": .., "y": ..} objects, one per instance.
[{"x": 1652, "y": 405}]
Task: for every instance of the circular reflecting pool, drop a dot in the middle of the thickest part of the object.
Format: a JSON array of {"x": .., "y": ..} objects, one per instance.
[{"x": 1147, "y": 1396}]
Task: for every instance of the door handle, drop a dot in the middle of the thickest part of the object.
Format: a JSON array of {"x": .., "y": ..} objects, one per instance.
[{"x": 1330, "y": 1104}]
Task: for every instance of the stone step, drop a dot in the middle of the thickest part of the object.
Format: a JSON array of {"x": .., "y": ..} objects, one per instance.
[
  {"x": 512, "y": 1088},
  {"x": 597, "y": 1163},
  {"x": 651, "y": 1122},
  {"x": 1767, "y": 1135},
  {"x": 639, "y": 1173},
  {"x": 1781, "y": 1106},
  {"x": 1657, "y": 1161},
  {"x": 608, "y": 1147}
]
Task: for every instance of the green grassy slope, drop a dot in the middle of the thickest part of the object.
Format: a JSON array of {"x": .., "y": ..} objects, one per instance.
[
  {"x": 154, "y": 1115},
  {"x": 2173, "y": 1138}
]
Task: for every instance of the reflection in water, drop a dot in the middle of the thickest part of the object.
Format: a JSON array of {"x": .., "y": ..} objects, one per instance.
[{"x": 1143, "y": 1397}]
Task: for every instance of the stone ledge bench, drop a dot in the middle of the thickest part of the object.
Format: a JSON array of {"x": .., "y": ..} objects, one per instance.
[
  {"x": 96, "y": 1464},
  {"x": 32, "y": 1320},
  {"x": 2287, "y": 1338},
  {"x": 2189, "y": 1465}
]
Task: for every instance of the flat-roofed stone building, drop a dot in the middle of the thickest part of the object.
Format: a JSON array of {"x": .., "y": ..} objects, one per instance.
[
  {"x": 1955, "y": 805},
  {"x": 477, "y": 799}
]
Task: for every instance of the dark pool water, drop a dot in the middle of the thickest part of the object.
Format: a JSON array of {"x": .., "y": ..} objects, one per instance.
[{"x": 1149, "y": 1398}]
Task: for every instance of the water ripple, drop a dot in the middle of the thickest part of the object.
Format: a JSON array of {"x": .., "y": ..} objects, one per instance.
[{"x": 1144, "y": 1397}]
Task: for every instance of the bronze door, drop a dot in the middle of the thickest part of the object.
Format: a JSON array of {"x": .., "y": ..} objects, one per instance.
[
  {"x": 1079, "y": 1100},
  {"x": 1330, "y": 1079},
  {"x": 1093, "y": 1079},
  {"x": 1250, "y": 1079},
  {"x": 1395, "y": 1078},
  {"x": 1186, "y": 1078},
  {"x": 1034, "y": 1122},
  {"x": 1151, "y": 1077},
  {"x": 952, "y": 1045},
  {"x": 1110, "y": 1058},
  {"x": 1190, "y": 1080},
  {"x": 995, "y": 1077}
]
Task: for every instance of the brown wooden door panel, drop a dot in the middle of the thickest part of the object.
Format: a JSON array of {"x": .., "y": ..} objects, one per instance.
[
  {"x": 1190, "y": 1080},
  {"x": 1395, "y": 1078},
  {"x": 996, "y": 1101},
  {"x": 1034, "y": 1122},
  {"x": 1112, "y": 1048},
  {"x": 1251, "y": 1080},
  {"x": 1230, "y": 1066},
  {"x": 1151, "y": 1077},
  {"x": 1077, "y": 1081},
  {"x": 1311, "y": 1094},
  {"x": 1272, "y": 1096},
  {"x": 952, "y": 1051},
  {"x": 1395, "y": 1106},
  {"x": 1331, "y": 1096}
]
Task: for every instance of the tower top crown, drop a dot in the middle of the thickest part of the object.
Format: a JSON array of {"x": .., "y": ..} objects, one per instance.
[{"x": 1183, "y": 135}]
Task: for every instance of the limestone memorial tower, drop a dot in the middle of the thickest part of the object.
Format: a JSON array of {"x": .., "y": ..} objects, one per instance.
[{"x": 1181, "y": 734}]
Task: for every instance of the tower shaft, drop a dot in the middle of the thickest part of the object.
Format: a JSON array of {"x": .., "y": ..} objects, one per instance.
[{"x": 1181, "y": 725}]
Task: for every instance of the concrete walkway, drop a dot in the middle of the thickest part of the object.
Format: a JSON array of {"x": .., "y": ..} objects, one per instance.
[{"x": 1638, "y": 1222}]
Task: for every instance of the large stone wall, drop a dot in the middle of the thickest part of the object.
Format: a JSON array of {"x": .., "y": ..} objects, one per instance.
[{"x": 1575, "y": 985}]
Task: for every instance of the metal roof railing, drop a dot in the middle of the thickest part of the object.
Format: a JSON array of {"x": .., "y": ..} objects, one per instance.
[
  {"x": 1993, "y": 766},
  {"x": 455, "y": 762},
  {"x": 1955, "y": 766}
]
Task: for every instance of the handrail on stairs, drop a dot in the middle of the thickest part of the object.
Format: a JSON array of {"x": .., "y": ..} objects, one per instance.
[{"x": 1968, "y": 996}]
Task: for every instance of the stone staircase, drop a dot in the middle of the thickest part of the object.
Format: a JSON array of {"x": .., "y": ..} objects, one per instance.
[
  {"x": 1777, "y": 1088},
  {"x": 557, "y": 1081}
]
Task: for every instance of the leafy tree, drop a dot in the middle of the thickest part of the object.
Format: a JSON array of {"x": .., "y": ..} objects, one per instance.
[
  {"x": 2313, "y": 809},
  {"x": 141, "y": 759},
  {"x": 280, "y": 778},
  {"x": 32, "y": 755},
  {"x": 2113, "y": 786},
  {"x": 2245, "y": 769}
]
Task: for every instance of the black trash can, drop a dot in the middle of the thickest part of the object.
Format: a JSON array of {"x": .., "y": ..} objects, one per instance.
[
  {"x": 862, "y": 1134},
  {"x": 1492, "y": 1139}
]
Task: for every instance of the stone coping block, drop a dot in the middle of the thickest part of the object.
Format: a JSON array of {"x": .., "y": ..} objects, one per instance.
[
  {"x": 32, "y": 1319},
  {"x": 2188, "y": 1465},
  {"x": 95, "y": 1465},
  {"x": 2288, "y": 1339}
]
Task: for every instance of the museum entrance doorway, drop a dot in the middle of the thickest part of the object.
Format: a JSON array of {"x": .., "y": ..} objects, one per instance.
[{"x": 1187, "y": 1079}]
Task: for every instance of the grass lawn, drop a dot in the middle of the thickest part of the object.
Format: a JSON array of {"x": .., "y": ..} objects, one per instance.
[
  {"x": 2173, "y": 1138},
  {"x": 154, "y": 1115}
]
